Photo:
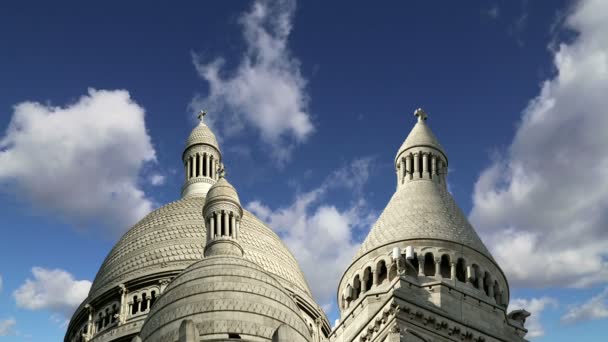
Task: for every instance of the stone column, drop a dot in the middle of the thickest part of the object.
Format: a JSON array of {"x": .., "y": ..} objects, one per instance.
[
  {"x": 374, "y": 277},
  {"x": 438, "y": 268},
  {"x": 233, "y": 224},
  {"x": 122, "y": 317},
  {"x": 453, "y": 270},
  {"x": 89, "y": 328},
  {"x": 212, "y": 170},
  {"x": 211, "y": 226},
  {"x": 490, "y": 287},
  {"x": 238, "y": 227},
  {"x": 402, "y": 172},
  {"x": 425, "y": 165},
  {"x": 201, "y": 160},
  {"x": 225, "y": 223},
  {"x": 421, "y": 267},
  {"x": 434, "y": 167}
]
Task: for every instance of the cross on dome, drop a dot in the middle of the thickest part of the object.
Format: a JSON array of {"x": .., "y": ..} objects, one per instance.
[
  {"x": 421, "y": 114},
  {"x": 201, "y": 115}
]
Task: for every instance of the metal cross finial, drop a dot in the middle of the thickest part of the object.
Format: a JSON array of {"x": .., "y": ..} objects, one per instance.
[
  {"x": 201, "y": 115},
  {"x": 421, "y": 114}
]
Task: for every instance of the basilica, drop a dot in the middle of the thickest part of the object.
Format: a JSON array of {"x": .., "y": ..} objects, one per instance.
[{"x": 203, "y": 268}]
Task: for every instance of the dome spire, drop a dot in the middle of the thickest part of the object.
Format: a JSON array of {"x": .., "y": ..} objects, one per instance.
[{"x": 201, "y": 159}]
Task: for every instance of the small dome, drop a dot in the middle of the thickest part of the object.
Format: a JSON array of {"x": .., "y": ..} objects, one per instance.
[
  {"x": 421, "y": 136},
  {"x": 222, "y": 191},
  {"x": 225, "y": 297},
  {"x": 202, "y": 134}
]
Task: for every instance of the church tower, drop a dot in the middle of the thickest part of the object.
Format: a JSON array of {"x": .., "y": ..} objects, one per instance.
[{"x": 423, "y": 273}]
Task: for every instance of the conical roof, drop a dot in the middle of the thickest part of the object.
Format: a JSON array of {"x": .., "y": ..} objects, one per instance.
[
  {"x": 421, "y": 136},
  {"x": 422, "y": 210}
]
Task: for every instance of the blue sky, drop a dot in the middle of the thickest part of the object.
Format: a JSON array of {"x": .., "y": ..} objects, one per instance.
[{"x": 311, "y": 103}]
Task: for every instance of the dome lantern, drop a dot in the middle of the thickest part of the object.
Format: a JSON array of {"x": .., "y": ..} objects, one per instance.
[
  {"x": 222, "y": 213},
  {"x": 421, "y": 156},
  {"x": 201, "y": 159}
]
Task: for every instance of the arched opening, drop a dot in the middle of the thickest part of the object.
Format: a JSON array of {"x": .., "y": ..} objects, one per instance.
[
  {"x": 420, "y": 162},
  {"x": 486, "y": 283},
  {"x": 414, "y": 262},
  {"x": 392, "y": 273},
  {"x": 382, "y": 272},
  {"x": 135, "y": 306},
  {"x": 211, "y": 167},
  {"x": 476, "y": 274},
  {"x": 144, "y": 302},
  {"x": 230, "y": 224},
  {"x": 191, "y": 167},
  {"x": 152, "y": 298},
  {"x": 460, "y": 270},
  {"x": 99, "y": 322},
  {"x": 496, "y": 292},
  {"x": 444, "y": 266},
  {"x": 196, "y": 167},
  {"x": 114, "y": 312},
  {"x": 205, "y": 171},
  {"x": 356, "y": 287},
  {"x": 106, "y": 319},
  {"x": 368, "y": 278},
  {"x": 429, "y": 264}
]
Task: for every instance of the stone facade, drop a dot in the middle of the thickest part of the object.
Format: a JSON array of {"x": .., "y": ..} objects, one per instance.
[{"x": 204, "y": 269}]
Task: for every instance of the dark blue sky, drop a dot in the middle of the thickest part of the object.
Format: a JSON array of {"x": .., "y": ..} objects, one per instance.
[{"x": 474, "y": 66}]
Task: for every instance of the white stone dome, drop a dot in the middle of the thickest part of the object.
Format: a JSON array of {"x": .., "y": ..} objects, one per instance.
[
  {"x": 172, "y": 237},
  {"x": 222, "y": 190},
  {"x": 226, "y": 297},
  {"x": 202, "y": 135}
]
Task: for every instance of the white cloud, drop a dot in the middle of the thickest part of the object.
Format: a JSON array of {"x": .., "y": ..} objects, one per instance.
[
  {"x": 267, "y": 89},
  {"x": 6, "y": 326},
  {"x": 157, "y": 179},
  {"x": 594, "y": 308},
  {"x": 55, "y": 290},
  {"x": 81, "y": 161},
  {"x": 535, "y": 307},
  {"x": 322, "y": 234},
  {"x": 544, "y": 207}
]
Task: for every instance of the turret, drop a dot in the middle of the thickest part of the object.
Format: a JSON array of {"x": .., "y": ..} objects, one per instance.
[
  {"x": 201, "y": 160},
  {"x": 421, "y": 157},
  {"x": 222, "y": 213}
]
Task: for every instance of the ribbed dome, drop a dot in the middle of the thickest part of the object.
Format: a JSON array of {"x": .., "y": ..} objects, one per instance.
[
  {"x": 201, "y": 134},
  {"x": 420, "y": 136},
  {"x": 224, "y": 295},
  {"x": 422, "y": 210},
  {"x": 172, "y": 237},
  {"x": 223, "y": 191}
]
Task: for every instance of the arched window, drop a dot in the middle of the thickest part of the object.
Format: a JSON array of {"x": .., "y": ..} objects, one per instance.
[
  {"x": 415, "y": 262},
  {"x": 356, "y": 287},
  {"x": 429, "y": 264},
  {"x": 99, "y": 322},
  {"x": 476, "y": 275},
  {"x": 392, "y": 273},
  {"x": 152, "y": 298},
  {"x": 382, "y": 272},
  {"x": 368, "y": 278},
  {"x": 191, "y": 163},
  {"x": 135, "y": 306},
  {"x": 205, "y": 171},
  {"x": 144, "y": 302},
  {"x": 106, "y": 319},
  {"x": 114, "y": 312},
  {"x": 196, "y": 166},
  {"x": 486, "y": 283},
  {"x": 460, "y": 270},
  {"x": 444, "y": 267}
]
